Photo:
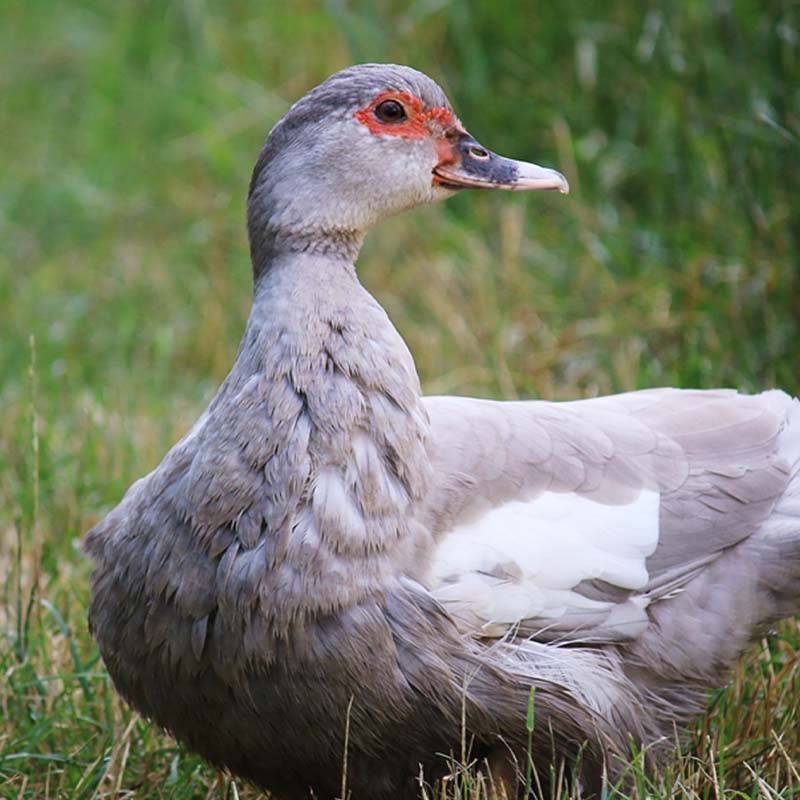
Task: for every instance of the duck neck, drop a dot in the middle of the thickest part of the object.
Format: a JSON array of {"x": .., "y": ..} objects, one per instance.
[
  {"x": 319, "y": 275},
  {"x": 314, "y": 324},
  {"x": 344, "y": 427},
  {"x": 273, "y": 243}
]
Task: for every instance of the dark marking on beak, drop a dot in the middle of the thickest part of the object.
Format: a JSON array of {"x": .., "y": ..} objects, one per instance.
[
  {"x": 464, "y": 163},
  {"x": 490, "y": 168}
]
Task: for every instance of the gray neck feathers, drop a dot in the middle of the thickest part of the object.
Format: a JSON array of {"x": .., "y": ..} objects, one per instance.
[
  {"x": 323, "y": 401},
  {"x": 272, "y": 239}
]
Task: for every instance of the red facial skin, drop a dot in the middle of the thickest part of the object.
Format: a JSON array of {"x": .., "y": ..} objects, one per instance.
[{"x": 420, "y": 123}]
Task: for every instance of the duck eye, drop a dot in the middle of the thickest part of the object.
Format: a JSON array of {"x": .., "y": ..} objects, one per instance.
[{"x": 390, "y": 111}]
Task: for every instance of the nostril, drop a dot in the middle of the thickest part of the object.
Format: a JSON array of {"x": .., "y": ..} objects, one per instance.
[{"x": 478, "y": 152}]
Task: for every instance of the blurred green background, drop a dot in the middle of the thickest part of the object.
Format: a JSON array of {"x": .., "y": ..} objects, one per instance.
[{"x": 128, "y": 133}]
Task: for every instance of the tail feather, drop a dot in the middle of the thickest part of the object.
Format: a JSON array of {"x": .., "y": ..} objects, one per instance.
[
  {"x": 699, "y": 631},
  {"x": 779, "y": 537}
]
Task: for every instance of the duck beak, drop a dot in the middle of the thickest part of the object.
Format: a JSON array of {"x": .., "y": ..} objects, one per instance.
[{"x": 463, "y": 163}]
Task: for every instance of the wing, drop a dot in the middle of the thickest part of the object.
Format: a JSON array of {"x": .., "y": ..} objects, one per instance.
[{"x": 573, "y": 521}]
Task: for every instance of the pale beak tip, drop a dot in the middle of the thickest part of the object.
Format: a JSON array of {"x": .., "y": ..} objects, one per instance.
[{"x": 532, "y": 177}]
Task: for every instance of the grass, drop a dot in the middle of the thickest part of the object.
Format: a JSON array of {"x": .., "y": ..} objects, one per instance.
[{"x": 129, "y": 130}]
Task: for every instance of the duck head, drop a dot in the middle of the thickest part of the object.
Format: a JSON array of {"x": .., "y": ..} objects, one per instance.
[{"x": 369, "y": 142}]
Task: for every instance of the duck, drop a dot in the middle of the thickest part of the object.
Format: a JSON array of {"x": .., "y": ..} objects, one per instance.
[{"x": 333, "y": 574}]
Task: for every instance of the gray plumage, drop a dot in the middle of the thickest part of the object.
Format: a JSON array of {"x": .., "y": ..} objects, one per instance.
[{"x": 325, "y": 535}]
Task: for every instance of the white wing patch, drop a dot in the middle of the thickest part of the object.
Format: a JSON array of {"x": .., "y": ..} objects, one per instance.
[{"x": 524, "y": 559}]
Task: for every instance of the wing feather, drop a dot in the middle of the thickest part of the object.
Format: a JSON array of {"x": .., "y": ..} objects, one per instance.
[{"x": 539, "y": 508}]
